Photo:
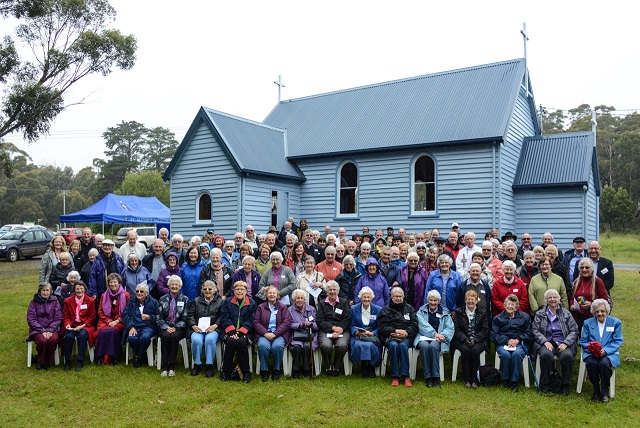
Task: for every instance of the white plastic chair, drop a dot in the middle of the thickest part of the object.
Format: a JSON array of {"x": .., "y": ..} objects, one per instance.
[
  {"x": 414, "y": 355},
  {"x": 456, "y": 358},
  {"x": 525, "y": 368},
  {"x": 412, "y": 362},
  {"x": 582, "y": 375},
  {"x": 56, "y": 355},
  {"x": 185, "y": 353},
  {"x": 149, "y": 352}
]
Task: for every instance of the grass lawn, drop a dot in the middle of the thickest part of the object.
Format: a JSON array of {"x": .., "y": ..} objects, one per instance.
[
  {"x": 621, "y": 248},
  {"x": 121, "y": 396}
]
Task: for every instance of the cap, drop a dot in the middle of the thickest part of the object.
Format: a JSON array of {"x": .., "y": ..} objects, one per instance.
[
  {"x": 210, "y": 231},
  {"x": 440, "y": 239},
  {"x": 455, "y": 225},
  {"x": 575, "y": 240},
  {"x": 107, "y": 242},
  {"x": 421, "y": 245},
  {"x": 397, "y": 238}
]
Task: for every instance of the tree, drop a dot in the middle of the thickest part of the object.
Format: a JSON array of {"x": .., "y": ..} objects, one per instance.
[
  {"x": 553, "y": 123},
  {"x": 69, "y": 40},
  {"x": 145, "y": 183},
  {"x": 616, "y": 208},
  {"x": 161, "y": 145},
  {"x": 125, "y": 143}
]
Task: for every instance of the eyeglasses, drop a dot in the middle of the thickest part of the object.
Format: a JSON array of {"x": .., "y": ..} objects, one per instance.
[
  {"x": 526, "y": 239},
  {"x": 139, "y": 291},
  {"x": 248, "y": 230},
  {"x": 207, "y": 289},
  {"x": 585, "y": 267},
  {"x": 339, "y": 251}
]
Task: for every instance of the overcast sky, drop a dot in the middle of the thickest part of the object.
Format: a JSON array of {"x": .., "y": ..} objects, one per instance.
[{"x": 226, "y": 55}]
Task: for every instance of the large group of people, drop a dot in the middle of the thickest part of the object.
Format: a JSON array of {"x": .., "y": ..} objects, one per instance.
[{"x": 366, "y": 298}]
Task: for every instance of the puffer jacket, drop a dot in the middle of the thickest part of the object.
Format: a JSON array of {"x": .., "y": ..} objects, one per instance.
[
  {"x": 132, "y": 277},
  {"x": 59, "y": 275},
  {"x": 43, "y": 315},
  {"x": 190, "y": 275},
  {"x": 567, "y": 324},
  {"x": 347, "y": 283},
  {"x": 162, "y": 285},
  {"x": 200, "y": 308},
  {"x": 182, "y": 308},
  {"x": 504, "y": 328}
]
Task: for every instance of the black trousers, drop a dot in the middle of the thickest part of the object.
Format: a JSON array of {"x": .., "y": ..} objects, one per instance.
[
  {"x": 546, "y": 363},
  {"x": 301, "y": 354},
  {"x": 600, "y": 372},
  {"x": 470, "y": 357},
  {"x": 233, "y": 348},
  {"x": 169, "y": 347}
]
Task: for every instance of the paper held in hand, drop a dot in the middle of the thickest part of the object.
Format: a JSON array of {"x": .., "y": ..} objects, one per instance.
[{"x": 204, "y": 323}]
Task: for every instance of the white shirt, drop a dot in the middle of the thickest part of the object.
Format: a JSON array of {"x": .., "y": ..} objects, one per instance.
[
  {"x": 138, "y": 249},
  {"x": 465, "y": 253}
]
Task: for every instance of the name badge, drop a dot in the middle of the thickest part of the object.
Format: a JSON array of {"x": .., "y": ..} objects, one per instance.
[
  {"x": 515, "y": 290},
  {"x": 115, "y": 301},
  {"x": 226, "y": 276},
  {"x": 335, "y": 268},
  {"x": 310, "y": 318},
  {"x": 406, "y": 316},
  {"x": 610, "y": 329},
  {"x": 283, "y": 276},
  {"x": 339, "y": 311},
  {"x": 180, "y": 304},
  {"x": 373, "y": 317},
  {"x": 275, "y": 312},
  {"x": 604, "y": 271},
  {"x": 438, "y": 315},
  {"x": 482, "y": 291},
  {"x": 83, "y": 306}
]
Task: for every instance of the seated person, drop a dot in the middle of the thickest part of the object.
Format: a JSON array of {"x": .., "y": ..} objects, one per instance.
[
  {"x": 78, "y": 321},
  {"x": 110, "y": 324},
  {"x": 471, "y": 336},
  {"x": 334, "y": 321},
  {"x": 44, "y": 316},
  {"x": 203, "y": 318},
  {"x": 172, "y": 324},
  {"x": 140, "y": 323},
  {"x": 365, "y": 343},
  {"x": 271, "y": 325},
  {"x": 304, "y": 334}
]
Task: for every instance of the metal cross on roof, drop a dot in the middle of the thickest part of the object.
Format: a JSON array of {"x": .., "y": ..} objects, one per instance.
[
  {"x": 280, "y": 85},
  {"x": 525, "y": 38}
]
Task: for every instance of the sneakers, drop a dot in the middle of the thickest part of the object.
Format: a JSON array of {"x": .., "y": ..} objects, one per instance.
[
  {"x": 407, "y": 382},
  {"x": 395, "y": 381},
  {"x": 172, "y": 373},
  {"x": 467, "y": 384},
  {"x": 474, "y": 385},
  {"x": 164, "y": 373}
]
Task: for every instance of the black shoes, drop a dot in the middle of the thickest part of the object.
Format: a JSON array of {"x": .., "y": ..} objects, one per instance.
[
  {"x": 265, "y": 375},
  {"x": 79, "y": 366},
  {"x": 67, "y": 366},
  {"x": 246, "y": 377},
  {"x": 195, "y": 371},
  {"x": 137, "y": 363},
  {"x": 276, "y": 375},
  {"x": 429, "y": 383},
  {"x": 295, "y": 374},
  {"x": 595, "y": 397},
  {"x": 208, "y": 370},
  {"x": 514, "y": 386},
  {"x": 224, "y": 376}
]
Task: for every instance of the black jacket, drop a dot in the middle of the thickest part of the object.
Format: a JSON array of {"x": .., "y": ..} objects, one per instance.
[{"x": 398, "y": 316}]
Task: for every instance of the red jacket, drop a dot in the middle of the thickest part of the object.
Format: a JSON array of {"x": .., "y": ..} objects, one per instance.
[
  {"x": 87, "y": 315},
  {"x": 501, "y": 290}
]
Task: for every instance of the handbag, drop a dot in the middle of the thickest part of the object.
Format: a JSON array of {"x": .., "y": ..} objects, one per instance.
[
  {"x": 301, "y": 336},
  {"x": 372, "y": 339}
]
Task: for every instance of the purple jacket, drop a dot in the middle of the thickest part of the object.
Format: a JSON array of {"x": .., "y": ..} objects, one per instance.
[
  {"x": 377, "y": 283},
  {"x": 298, "y": 317},
  {"x": 261, "y": 321},
  {"x": 43, "y": 316},
  {"x": 419, "y": 280},
  {"x": 240, "y": 275},
  {"x": 163, "y": 278}
]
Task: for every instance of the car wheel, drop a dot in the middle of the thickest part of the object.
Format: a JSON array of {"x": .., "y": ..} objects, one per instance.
[{"x": 12, "y": 255}]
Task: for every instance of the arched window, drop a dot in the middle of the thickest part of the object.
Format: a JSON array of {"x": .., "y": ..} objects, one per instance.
[
  {"x": 348, "y": 194},
  {"x": 424, "y": 185},
  {"x": 203, "y": 208}
]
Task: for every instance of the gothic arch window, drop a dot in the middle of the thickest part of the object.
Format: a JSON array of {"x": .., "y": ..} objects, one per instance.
[
  {"x": 203, "y": 208},
  {"x": 424, "y": 185},
  {"x": 348, "y": 189}
]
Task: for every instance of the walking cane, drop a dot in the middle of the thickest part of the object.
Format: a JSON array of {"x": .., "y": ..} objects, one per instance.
[{"x": 311, "y": 363}]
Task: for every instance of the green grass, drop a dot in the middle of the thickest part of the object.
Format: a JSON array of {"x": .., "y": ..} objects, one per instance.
[
  {"x": 121, "y": 396},
  {"x": 621, "y": 248}
]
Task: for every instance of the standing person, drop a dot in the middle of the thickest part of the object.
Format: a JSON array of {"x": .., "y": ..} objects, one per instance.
[
  {"x": 154, "y": 262},
  {"x": 471, "y": 336},
  {"x": 398, "y": 327},
  {"x": 542, "y": 282},
  {"x": 171, "y": 268},
  {"x": 294, "y": 260},
  {"x": 279, "y": 276},
  {"x": 172, "y": 324},
  {"x": 247, "y": 273},
  {"x": 78, "y": 320},
  {"x": 329, "y": 267},
  {"x": 334, "y": 321},
  {"x": 263, "y": 262},
  {"x": 348, "y": 279},
  {"x": 586, "y": 288},
  {"x": 365, "y": 341},
  {"x": 203, "y": 319},
  {"x": 390, "y": 271},
  {"x": 60, "y": 271},
  {"x": 509, "y": 284},
  {"x": 86, "y": 242},
  {"x": 304, "y": 334},
  {"x": 86, "y": 269},
  {"x": 78, "y": 258},
  {"x": 602, "y": 266},
  {"x": 190, "y": 274},
  {"x": 220, "y": 274},
  {"x": 311, "y": 248},
  {"x": 140, "y": 323},
  {"x": 375, "y": 281},
  {"x": 110, "y": 322},
  {"x": 463, "y": 259},
  {"x": 132, "y": 246},
  {"x": 51, "y": 258},
  {"x": 236, "y": 320},
  {"x": 474, "y": 282},
  {"x": 134, "y": 273},
  {"x": 44, "y": 317},
  {"x": 600, "y": 341},
  {"x": 250, "y": 238},
  {"x": 529, "y": 266},
  {"x": 106, "y": 263},
  {"x": 445, "y": 281},
  {"x": 271, "y": 325}
]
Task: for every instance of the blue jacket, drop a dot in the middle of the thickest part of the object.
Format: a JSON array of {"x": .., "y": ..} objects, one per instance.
[
  {"x": 97, "y": 278},
  {"x": 190, "y": 275},
  {"x": 131, "y": 278},
  {"x": 131, "y": 316},
  {"x": 435, "y": 283},
  {"x": 504, "y": 328},
  {"x": 380, "y": 288},
  {"x": 356, "y": 319},
  {"x": 611, "y": 339},
  {"x": 446, "y": 327},
  {"x": 228, "y": 259},
  {"x": 392, "y": 274}
]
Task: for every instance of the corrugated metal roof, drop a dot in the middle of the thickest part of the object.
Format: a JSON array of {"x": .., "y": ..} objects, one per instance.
[
  {"x": 469, "y": 104},
  {"x": 557, "y": 160},
  {"x": 255, "y": 147}
]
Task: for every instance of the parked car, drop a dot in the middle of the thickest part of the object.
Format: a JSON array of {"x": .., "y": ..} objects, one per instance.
[
  {"x": 71, "y": 233},
  {"x": 146, "y": 235},
  {"x": 8, "y": 227},
  {"x": 25, "y": 243}
]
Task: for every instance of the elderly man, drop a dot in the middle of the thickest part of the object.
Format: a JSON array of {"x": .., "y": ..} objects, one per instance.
[
  {"x": 154, "y": 262},
  {"x": 238, "y": 241},
  {"x": 491, "y": 261},
  {"x": 434, "y": 234},
  {"x": 463, "y": 259},
  {"x": 402, "y": 233},
  {"x": 395, "y": 257},
  {"x": 572, "y": 257},
  {"x": 327, "y": 230},
  {"x": 311, "y": 248},
  {"x": 365, "y": 230},
  {"x": 132, "y": 246},
  {"x": 105, "y": 263},
  {"x": 527, "y": 244},
  {"x": 602, "y": 266},
  {"x": 351, "y": 249},
  {"x": 163, "y": 235},
  {"x": 453, "y": 246},
  {"x": 342, "y": 233},
  {"x": 286, "y": 230},
  {"x": 270, "y": 240},
  {"x": 388, "y": 269},
  {"x": 511, "y": 253},
  {"x": 547, "y": 239},
  {"x": 86, "y": 243},
  {"x": 329, "y": 268},
  {"x": 480, "y": 286},
  {"x": 250, "y": 237}
]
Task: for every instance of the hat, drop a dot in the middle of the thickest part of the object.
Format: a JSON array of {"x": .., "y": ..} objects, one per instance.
[
  {"x": 384, "y": 241},
  {"x": 210, "y": 231},
  {"x": 171, "y": 254},
  {"x": 575, "y": 240},
  {"x": 421, "y": 244},
  {"x": 509, "y": 235},
  {"x": 389, "y": 228},
  {"x": 397, "y": 238},
  {"x": 272, "y": 229},
  {"x": 107, "y": 242},
  {"x": 455, "y": 225},
  {"x": 439, "y": 239}
]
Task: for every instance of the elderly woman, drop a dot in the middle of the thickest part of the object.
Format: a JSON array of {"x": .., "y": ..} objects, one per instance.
[
  {"x": 361, "y": 261},
  {"x": 85, "y": 271},
  {"x": 171, "y": 268},
  {"x": 398, "y": 327},
  {"x": 445, "y": 281},
  {"x": 61, "y": 270},
  {"x": 471, "y": 336},
  {"x": 365, "y": 343},
  {"x": 271, "y": 325},
  {"x": 485, "y": 272},
  {"x": 52, "y": 257},
  {"x": 557, "y": 267},
  {"x": 278, "y": 276},
  {"x": 44, "y": 317},
  {"x": 110, "y": 322},
  {"x": 78, "y": 320},
  {"x": 263, "y": 262},
  {"x": 219, "y": 273},
  {"x": 509, "y": 283},
  {"x": 511, "y": 332},
  {"x": 600, "y": 341},
  {"x": 311, "y": 282},
  {"x": 544, "y": 281},
  {"x": 245, "y": 250},
  {"x": 190, "y": 273},
  {"x": 303, "y": 331},
  {"x": 529, "y": 267},
  {"x": 236, "y": 319},
  {"x": 334, "y": 321},
  {"x": 66, "y": 290},
  {"x": 586, "y": 288},
  {"x": 172, "y": 324},
  {"x": 414, "y": 280},
  {"x": 348, "y": 279},
  {"x": 555, "y": 334},
  {"x": 430, "y": 263},
  {"x": 134, "y": 273},
  {"x": 376, "y": 281},
  {"x": 229, "y": 255},
  {"x": 248, "y": 274},
  {"x": 435, "y": 331},
  {"x": 203, "y": 319},
  {"x": 204, "y": 253},
  {"x": 139, "y": 320}
]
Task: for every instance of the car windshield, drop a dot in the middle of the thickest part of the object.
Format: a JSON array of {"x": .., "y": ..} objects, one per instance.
[
  {"x": 63, "y": 232},
  {"x": 13, "y": 235},
  {"x": 123, "y": 232}
]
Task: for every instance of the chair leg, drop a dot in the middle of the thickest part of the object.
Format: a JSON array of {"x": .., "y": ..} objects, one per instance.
[
  {"x": 185, "y": 352},
  {"x": 29, "y": 352},
  {"x": 150, "y": 352},
  {"x": 441, "y": 368},
  {"x": 159, "y": 354},
  {"x": 582, "y": 374},
  {"x": 454, "y": 369},
  {"x": 413, "y": 363}
]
